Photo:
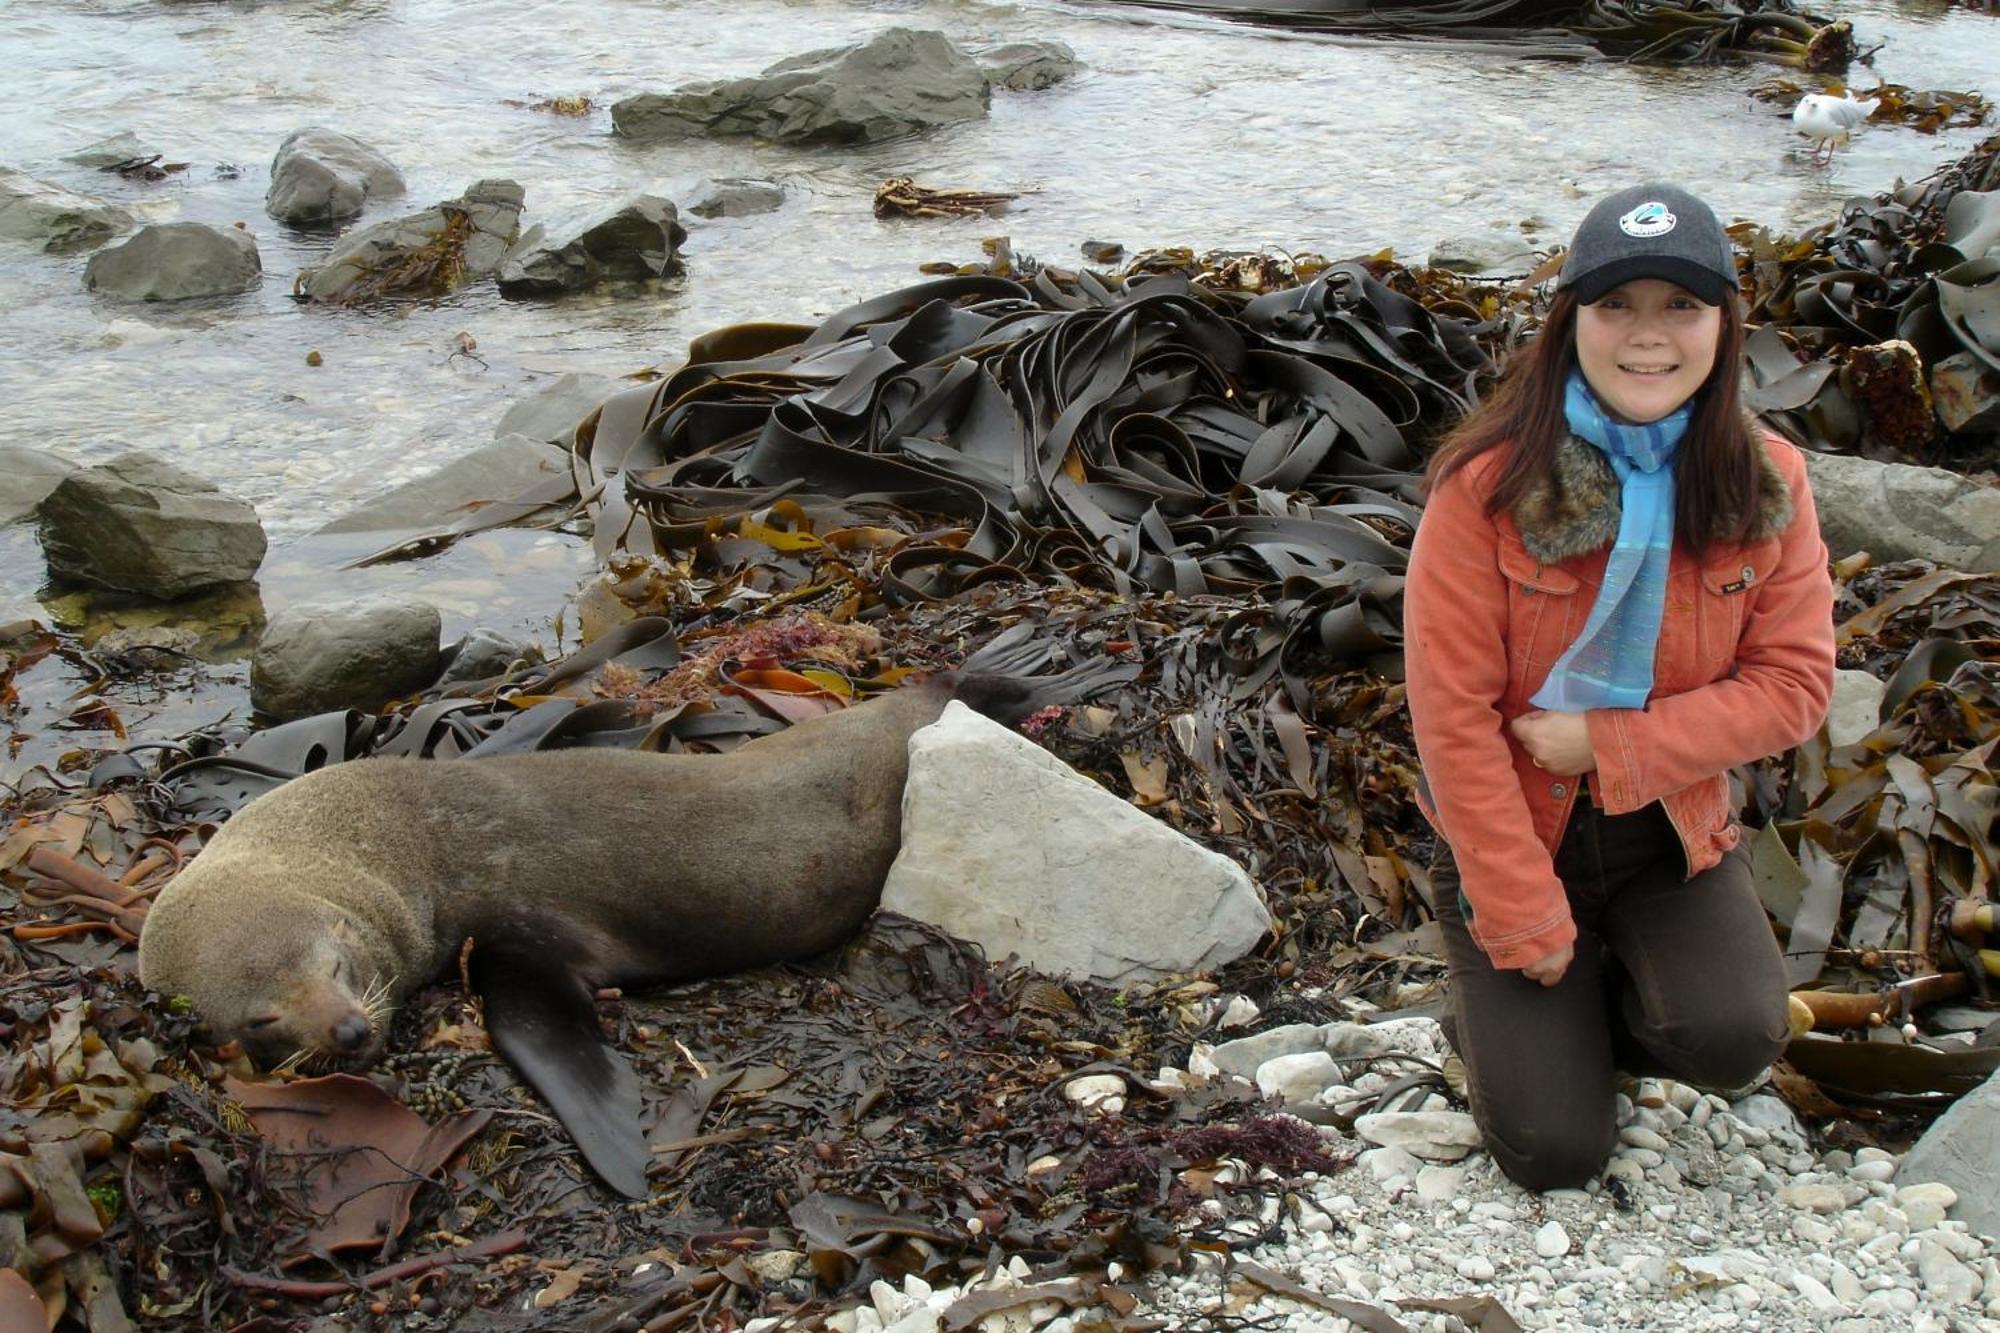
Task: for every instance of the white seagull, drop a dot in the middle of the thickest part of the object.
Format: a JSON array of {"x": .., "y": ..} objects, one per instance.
[{"x": 1829, "y": 120}]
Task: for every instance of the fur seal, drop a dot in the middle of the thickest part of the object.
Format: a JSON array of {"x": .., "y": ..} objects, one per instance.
[{"x": 323, "y": 904}]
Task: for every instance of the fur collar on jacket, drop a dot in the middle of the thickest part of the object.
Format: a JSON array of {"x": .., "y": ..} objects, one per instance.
[{"x": 1576, "y": 509}]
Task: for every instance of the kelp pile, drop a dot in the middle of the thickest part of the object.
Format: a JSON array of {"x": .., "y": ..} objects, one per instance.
[
  {"x": 1659, "y": 31},
  {"x": 1199, "y": 471}
]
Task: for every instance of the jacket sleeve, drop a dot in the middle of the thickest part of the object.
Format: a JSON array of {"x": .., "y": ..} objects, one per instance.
[
  {"x": 1455, "y": 655},
  {"x": 1775, "y": 697}
]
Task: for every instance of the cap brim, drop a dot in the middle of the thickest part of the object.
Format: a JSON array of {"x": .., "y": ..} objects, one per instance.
[{"x": 1707, "y": 286}]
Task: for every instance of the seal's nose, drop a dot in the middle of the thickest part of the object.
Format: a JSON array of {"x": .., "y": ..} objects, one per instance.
[{"x": 350, "y": 1034}]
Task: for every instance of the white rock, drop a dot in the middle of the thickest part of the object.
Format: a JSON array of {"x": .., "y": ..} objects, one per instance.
[
  {"x": 1818, "y": 1198},
  {"x": 1815, "y": 1292},
  {"x": 1476, "y": 1268},
  {"x": 1297, "y": 1080},
  {"x": 1551, "y": 1240},
  {"x": 1241, "y": 1011},
  {"x": 1442, "y": 1136},
  {"x": 1103, "y": 1094},
  {"x": 1440, "y": 1184}
]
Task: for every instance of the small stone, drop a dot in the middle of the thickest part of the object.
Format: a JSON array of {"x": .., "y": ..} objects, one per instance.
[
  {"x": 313, "y": 358},
  {"x": 1818, "y": 1198},
  {"x": 1100, "y": 1094},
  {"x": 1476, "y": 1268},
  {"x": 1551, "y": 1241},
  {"x": 1640, "y": 1137}
]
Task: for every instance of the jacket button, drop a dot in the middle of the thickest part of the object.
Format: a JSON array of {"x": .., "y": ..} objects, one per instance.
[
  {"x": 1557, "y": 790},
  {"x": 1749, "y": 573}
]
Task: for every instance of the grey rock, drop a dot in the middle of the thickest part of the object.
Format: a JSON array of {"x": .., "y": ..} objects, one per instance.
[
  {"x": 638, "y": 240},
  {"x": 177, "y": 261},
  {"x": 59, "y": 221},
  {"x": 1898, "y": 512},
  {"x": 317, "y": 657},
  {"x": 1962, "y": 1149},
  {"x": 480, "y": 226},
  {"x": 1026, "y": 67},
  {"x": 26, "y": 477},
  {"x": 483, "y": 654},
  {"x": 1966, "y": 393},
  {"x": 1857, "y": 706},
  {"x": 115, "y": 151},
  {"x": 500, "y": 470},
  {"x": 320, "y": 175},
  {"x": 1100, "y": 890},
  {"x": 1246, "y": 1055},
  {"x": 551, "y": 413},
  {"x": 140, "y": 524},
  {"x": 897, "y": 83},
  {"x": 737, "y": 198},
  {"x": 1494, "y": 251}
]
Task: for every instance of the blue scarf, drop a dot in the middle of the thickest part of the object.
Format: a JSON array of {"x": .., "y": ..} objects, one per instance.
[{"x": 1611, "y": 663}]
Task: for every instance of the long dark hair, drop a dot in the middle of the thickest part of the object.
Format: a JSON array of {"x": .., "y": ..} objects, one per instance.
[{"x": 1715, "y": 470}]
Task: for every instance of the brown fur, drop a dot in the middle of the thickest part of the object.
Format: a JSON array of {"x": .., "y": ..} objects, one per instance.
[{"x": 335, "y": 896}]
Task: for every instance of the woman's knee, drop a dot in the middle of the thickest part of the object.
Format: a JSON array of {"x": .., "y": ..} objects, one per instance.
[
  {"x": 1725, "y": 1049},
  {"x": 1550, "y": 1156}
]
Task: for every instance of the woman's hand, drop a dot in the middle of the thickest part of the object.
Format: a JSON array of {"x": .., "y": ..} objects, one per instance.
[
  {"x": 1558, "y": 742},
  {"x": 1549, "y": 968}
]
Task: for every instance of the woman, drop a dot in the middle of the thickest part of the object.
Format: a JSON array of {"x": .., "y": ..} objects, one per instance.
[{"x": 1618, "y": 592}]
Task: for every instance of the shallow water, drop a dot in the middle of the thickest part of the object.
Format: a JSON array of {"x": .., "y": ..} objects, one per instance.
[{"x": 1182, "y": 131}]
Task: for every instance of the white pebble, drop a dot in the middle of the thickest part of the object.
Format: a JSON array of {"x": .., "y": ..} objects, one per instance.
[{"x": 1551, "y": 1240}]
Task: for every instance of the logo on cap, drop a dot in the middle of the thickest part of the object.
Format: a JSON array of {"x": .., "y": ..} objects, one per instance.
[{"x": 1649, "y": 219}]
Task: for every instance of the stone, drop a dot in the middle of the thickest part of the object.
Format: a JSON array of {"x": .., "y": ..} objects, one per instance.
[
  {"x": 899, "y": 82},
  {"x": 1961, "y": 1149},
  {"x": 500, "y": 470},
  {"x": 1761, "y": 1115},
  {"x": 1898, "y": 512},
  {"x": 1296, "y": 1080},
  {"x": 177, "y": 261},
  {"x": 1966, "y": 393},
  {"x": 483, "y": 654},
  {"x": 1856, "y": 708},
  {"x": 630, "y": 243},
  {"x": 115, "y": 151},
  {"x": 552, "y": 412},
  {"x": 1245, "y": 1055},
  {"x": 1100, "y": 890},
  {"x": 735, "y": 197},
  {"x": 1437, "y": 1183},
  {"x": 1551, "y": 1241},
  {"x": 58, "y": 220},
  {"x": 26, "y": 477},
  {"x": 1028, "y": 67},
  {"x": 1497, "y": 250},
  {"x": 1435, "y": 1136},
  {"x": 1947, "y": 1280},
  {"x": 142, "y": 525},
  {"x": 1103, "y": 1094},
  {"x": 1819, "y": 1198},
  {"x": 319, "y": 656},
  {"x": 435, "y": 251},
  {"x": 322, "y": 176}
]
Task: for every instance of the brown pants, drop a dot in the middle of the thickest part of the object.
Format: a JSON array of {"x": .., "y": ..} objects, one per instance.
[{"x": 1672, "y": 976}]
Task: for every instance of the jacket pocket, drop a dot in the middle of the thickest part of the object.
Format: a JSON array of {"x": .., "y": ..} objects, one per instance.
[
  {"x": 1543, "y": 614},
  {"x": 1730, "y": 583}
]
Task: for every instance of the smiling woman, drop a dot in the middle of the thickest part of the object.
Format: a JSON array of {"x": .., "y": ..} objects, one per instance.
[{"x": 1618, "y": 588}]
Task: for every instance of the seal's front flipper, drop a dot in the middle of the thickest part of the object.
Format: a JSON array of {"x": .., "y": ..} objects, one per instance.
[{"x": 543, "y": 1018}]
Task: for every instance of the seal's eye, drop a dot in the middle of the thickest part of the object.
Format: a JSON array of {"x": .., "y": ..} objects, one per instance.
[{"x": 256, "y": 1023}]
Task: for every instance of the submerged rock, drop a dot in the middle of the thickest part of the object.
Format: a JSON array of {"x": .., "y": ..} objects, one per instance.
[
  {"x": 639, "y": 240},
  {"x": 321, "y": 175},
  {"x": 54, "y": 218},
  {"x": 497, "y": 471},
  {"x": 900, "y": 81},
  {"x": 1897, "y": 512},
  {"x": 320, "y": 656},
  {"x": 177, "y": 261},
  {"x": 1027, "y": 67},
  {"x": 550, "y": 413},
  {"x": 423, "y": 254},
  {"x": 735, "y": 198},
  {"x": 142, "y": 525},
  {"x": 115, "y": 151},
  {"x": 1102, "y": 890},
  {"x": 26, "y": 478}
]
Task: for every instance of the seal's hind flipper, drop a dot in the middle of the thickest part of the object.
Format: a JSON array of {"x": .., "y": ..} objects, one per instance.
[{"x": 543, "y": 1018}]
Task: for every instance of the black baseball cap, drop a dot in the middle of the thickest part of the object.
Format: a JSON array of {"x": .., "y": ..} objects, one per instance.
[{"x": 1650, "y": 231}]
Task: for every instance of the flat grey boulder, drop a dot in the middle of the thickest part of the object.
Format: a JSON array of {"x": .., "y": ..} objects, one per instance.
[
  {"x": 497, "y": 471},
  {"x": 638, "y": 240},
  {"x": 177, "y": 261},
  {"x": 142, "y": 525},
  {"x": 320, "y": 656},
  {"x": 429, "y": 253},
  {"x": 897, "y": 83},
  {"x": 550, "y": 413},
  {"x": 26, "y": 478},
  {"x": 737, "y": 198},
  {"x": 1028, "y": 67},
  {"x": 115, "y": 151},
  {"x": 1898, "y": 512},
  {"x": 1962, "y": 1149},
  {"x": 320, "y": 176},
  {"x": 1007, "y": 846},
  {"x": 56, "y": 219}
]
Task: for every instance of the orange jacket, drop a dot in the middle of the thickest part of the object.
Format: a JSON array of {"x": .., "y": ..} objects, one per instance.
[{"x": 1744, "y": 669}]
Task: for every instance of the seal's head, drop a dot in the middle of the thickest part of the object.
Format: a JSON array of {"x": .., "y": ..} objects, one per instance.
[{"x": 284, "y": 971}]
